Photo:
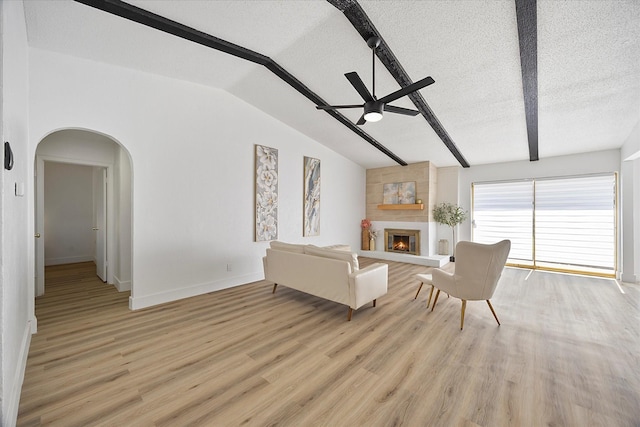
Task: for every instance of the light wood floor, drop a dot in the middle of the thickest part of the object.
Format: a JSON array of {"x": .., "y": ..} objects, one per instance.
[{"x": 567, "y": 354}]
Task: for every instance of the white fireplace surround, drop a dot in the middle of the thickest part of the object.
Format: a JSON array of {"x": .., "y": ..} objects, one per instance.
[{"x": 428, "y": 244}]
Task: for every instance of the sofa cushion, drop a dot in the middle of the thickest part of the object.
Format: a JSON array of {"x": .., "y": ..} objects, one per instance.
[
  {"x": 342, "y": 255},
  {"x": 288, "y": 247},
  {"x": 341, "y": 247}
]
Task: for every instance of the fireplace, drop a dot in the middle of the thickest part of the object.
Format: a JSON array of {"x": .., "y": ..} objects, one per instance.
[{"x": 402, "y": 241}]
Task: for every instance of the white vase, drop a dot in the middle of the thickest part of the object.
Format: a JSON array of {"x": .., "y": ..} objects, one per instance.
[{"x": 372, "y": 244}]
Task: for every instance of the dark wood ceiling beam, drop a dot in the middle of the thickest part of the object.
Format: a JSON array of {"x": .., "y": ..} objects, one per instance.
[
  {"x": 361, "y": 22},
  {"x": 527, "y": 17},
  {"x": 149, "y": 19}
]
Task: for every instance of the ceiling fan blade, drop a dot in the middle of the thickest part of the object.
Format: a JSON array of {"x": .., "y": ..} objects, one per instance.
[
  {"x": 357, "y": 83},
  {"x": 400, "y": 110},
  {"x": 361, "y": 121},
  {"x": 334, "y": 107},
  {"x": 407, "y": 90}
]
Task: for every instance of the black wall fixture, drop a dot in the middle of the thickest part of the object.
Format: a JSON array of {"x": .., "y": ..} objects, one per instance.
[
  {"x": 361, "y": 22},
  {"x": 149, "y": 19},
  {"x": 8, "y": 156},
  {"x": 527, "y": 17}
]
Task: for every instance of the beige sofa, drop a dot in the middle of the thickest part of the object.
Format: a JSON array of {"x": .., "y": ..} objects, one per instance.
[{"x": 331, "y": 272}]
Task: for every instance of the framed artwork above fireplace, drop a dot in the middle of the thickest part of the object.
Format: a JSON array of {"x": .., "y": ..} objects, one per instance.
[{"x": 403, "y": 193}]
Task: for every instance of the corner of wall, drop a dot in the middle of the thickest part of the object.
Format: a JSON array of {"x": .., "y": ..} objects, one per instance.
[
  {"x": 121, "y": 285},
  {"x": 631, "y": 148}
]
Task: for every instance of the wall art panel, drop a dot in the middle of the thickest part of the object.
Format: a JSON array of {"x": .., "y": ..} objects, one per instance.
[
  {"x": 311, "y": 196},
  {"x": 266, "y": 163}
]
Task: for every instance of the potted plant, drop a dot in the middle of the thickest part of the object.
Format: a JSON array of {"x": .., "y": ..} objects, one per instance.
[{"x": 451, "y": 215}]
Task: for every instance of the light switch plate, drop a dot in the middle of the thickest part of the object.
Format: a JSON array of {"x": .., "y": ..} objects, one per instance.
[{"x": 19, "y": 189}]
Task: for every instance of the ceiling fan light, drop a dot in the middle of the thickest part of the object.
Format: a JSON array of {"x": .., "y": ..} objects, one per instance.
[
  {"x": 373, "y": 116},
  {"x": 373, "y": 111}
]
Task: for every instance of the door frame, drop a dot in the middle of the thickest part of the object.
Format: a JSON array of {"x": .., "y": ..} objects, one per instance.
[
  {"x": 39, "y": 216},
  {"x": 99, "y": 222}
]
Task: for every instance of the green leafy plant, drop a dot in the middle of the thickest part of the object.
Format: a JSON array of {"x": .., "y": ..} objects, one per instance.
[{"x": 451, "y": 215}]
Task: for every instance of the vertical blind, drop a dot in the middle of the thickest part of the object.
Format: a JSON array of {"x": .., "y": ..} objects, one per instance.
[{"x": 566, "y": 223}]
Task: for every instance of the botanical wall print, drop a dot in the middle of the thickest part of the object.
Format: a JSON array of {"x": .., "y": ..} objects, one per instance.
[
  {"x": 403, "y": 193},
  {"x": 311, "y": 197},
  {"x": 266, "y": 193}
]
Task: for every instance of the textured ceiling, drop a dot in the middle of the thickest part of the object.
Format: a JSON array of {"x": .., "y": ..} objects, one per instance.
[{"x": 588, "y": 68}]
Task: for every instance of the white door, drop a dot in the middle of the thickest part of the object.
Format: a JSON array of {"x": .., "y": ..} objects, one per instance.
[{"x": 100, "y": 227}]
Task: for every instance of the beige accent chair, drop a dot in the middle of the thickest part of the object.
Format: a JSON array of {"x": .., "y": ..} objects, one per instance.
[{"x": 478, "y": 268}]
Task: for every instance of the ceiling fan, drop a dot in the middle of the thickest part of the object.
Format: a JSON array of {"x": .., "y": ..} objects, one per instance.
[{"x": 373, "y": 107}]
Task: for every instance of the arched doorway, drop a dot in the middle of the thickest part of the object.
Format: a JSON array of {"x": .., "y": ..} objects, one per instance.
[{"x": 78, "y": 153}]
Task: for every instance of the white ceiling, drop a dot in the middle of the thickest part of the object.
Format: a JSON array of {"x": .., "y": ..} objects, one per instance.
[{"x": 588, "y": 68}]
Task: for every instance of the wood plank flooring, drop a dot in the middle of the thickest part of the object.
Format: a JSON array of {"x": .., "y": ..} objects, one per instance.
[{"x": 567, "y": 354}]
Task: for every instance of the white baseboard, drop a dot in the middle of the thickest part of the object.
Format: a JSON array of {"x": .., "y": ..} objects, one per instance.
[
  {"x": 68, "y": 260},
  {"x": 136, "y": 303},
  {"x": 15, "y": 387},
  {"x": 121, "y": 285}
]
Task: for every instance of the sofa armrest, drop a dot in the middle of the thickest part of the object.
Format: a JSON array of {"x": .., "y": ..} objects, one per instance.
[{"x": 368, "y": 284}]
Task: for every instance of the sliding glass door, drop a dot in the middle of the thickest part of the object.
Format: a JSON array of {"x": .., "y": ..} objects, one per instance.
[
  {"x": 575, "y": 223},
  {"x": 560, "y": 223},
  {"x": 504, "y": 210}
]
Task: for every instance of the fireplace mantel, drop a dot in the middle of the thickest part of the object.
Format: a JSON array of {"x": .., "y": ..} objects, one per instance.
[{"x": 415, "y": 206}]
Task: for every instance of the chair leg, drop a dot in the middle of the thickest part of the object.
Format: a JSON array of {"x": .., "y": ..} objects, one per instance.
[
  {"x": 430, "y": 295},
  {"x": 464, "y": 306},
  {"x": 275, "y": 285},
  {"x": 419, "y": 290},
  {"x": 374, "y": 303},
  {"x": 435, "y": 300},
  {"x": 493, "y": 311},
  {"x": 349, "y": 314}
]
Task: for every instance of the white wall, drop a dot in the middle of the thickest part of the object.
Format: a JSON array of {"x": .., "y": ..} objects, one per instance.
[
  {"x": 192, "y": 151},
  {"x": 17, "y": 279},
  {"x": 68, "y": 207},
  {"x": 631, "y": 148},
  {"x": 630, "y": 171},
  {"x": 447, "y": 192},
  {"x": 629, "y": 219},
  {"x": 636, "y": 222},
  {"x": 122, "y": 181}
]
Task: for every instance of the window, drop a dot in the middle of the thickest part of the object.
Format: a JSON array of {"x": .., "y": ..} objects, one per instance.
[{"x": 560, "y": 223}]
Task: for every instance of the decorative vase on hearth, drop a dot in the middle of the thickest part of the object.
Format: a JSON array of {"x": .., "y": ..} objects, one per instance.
[{"x": 365, "y": 240}]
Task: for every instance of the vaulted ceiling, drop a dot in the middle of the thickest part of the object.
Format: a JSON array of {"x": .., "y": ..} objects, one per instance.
[{"x": 574, "y": 68}]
